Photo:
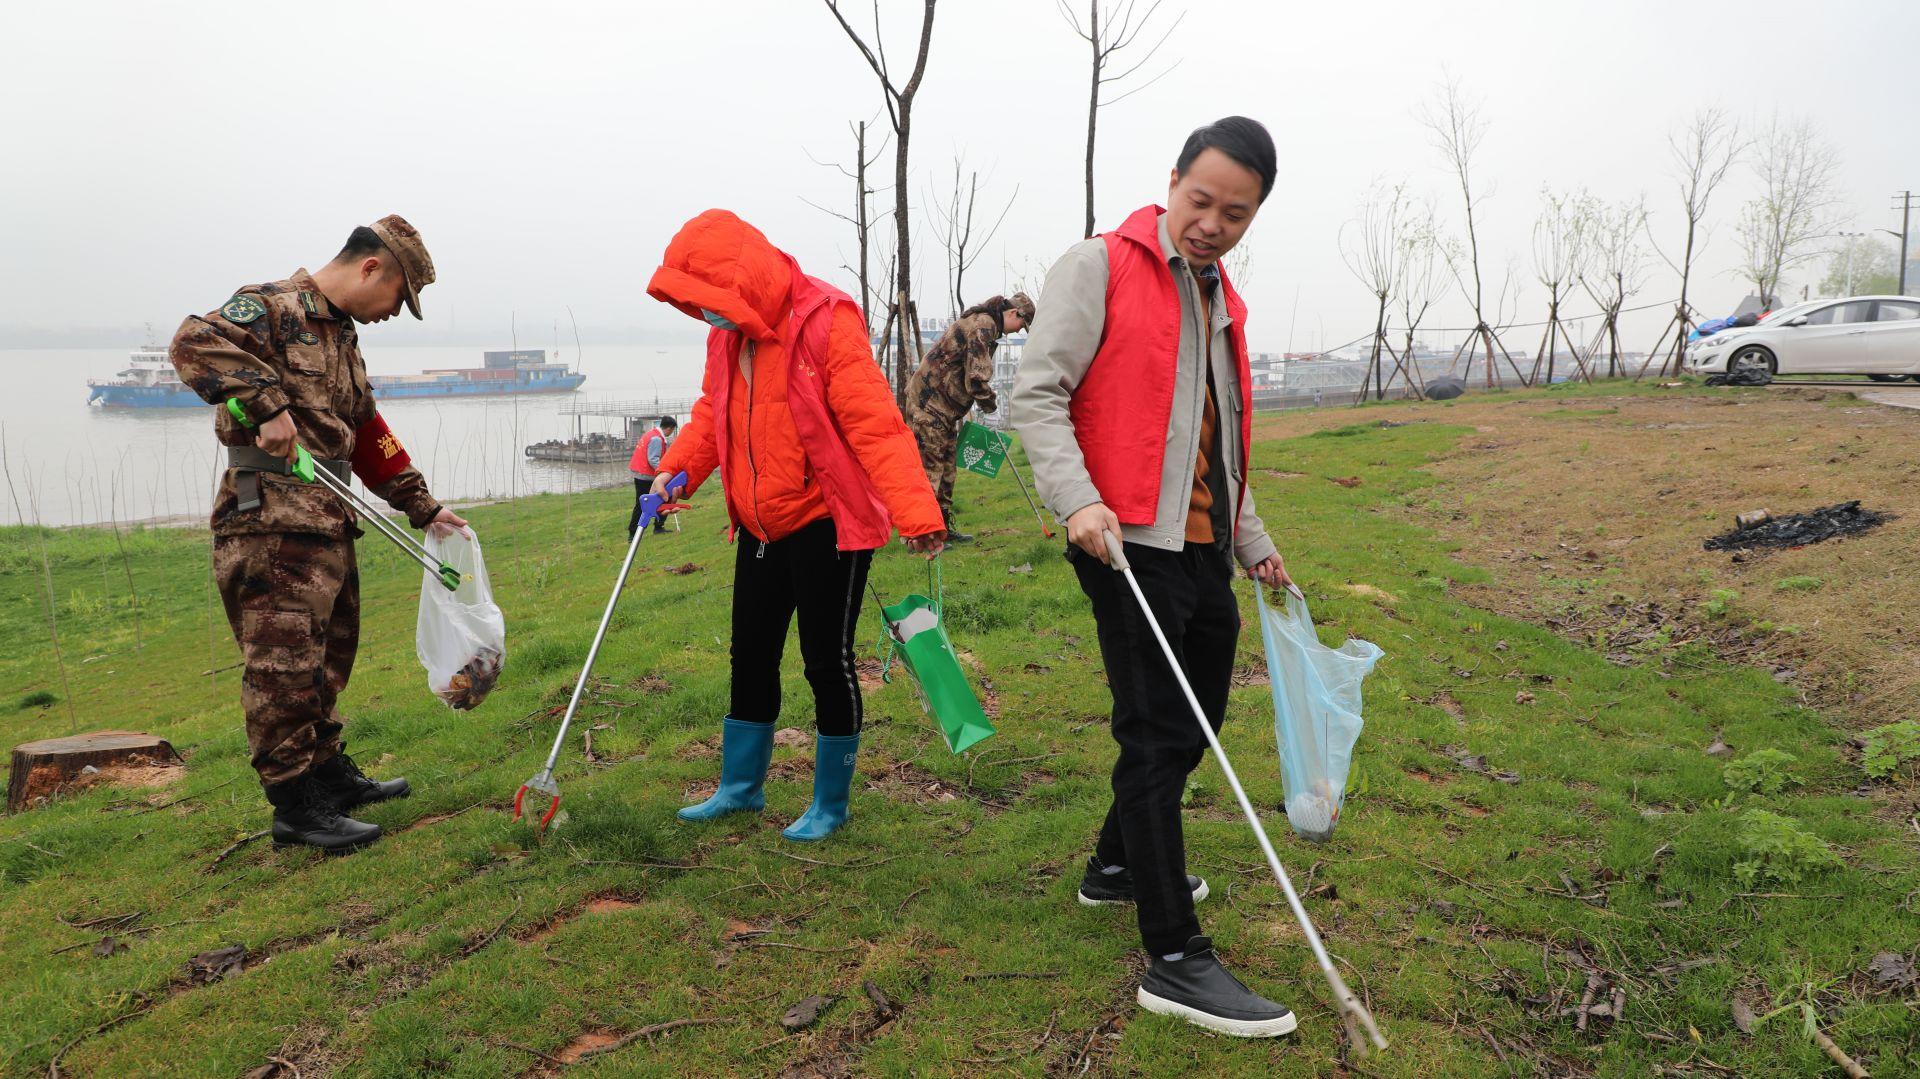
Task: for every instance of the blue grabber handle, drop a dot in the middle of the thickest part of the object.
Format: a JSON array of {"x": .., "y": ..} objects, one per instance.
[{"x": 650, "y": 504}]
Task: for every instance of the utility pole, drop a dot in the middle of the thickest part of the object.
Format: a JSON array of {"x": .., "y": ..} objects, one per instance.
[{"x": 1906, "y": 213}]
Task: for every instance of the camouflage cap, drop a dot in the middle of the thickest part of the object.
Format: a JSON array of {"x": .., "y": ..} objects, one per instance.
[
  {"x": 1022, "y": 306},
  {"x": 410, "y": 252}
]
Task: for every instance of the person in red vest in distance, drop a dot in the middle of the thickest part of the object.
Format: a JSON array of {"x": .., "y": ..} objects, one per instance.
[
  {"x": 1132, "y": 399},
  {"x": 645, "y": 465},
  {"x": 818, "y": 469}
]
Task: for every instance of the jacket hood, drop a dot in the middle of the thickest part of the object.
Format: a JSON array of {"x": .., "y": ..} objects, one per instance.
[{"x": 719, "y": 263}]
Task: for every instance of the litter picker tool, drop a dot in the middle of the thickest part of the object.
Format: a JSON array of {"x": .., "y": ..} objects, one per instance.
[
  {"x": 542, "y": 783},
  {"x": 1352, "y": 1010},
  {"x": 1037, "y": 515},
  {"x": 302, "y": 467}
]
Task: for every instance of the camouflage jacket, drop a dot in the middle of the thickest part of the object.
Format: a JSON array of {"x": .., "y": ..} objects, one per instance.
[
  {"x": 281, "y": 347},
  {"x": 958, "y": 370}
]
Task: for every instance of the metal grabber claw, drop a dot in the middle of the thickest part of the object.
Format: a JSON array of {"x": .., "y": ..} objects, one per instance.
[{"x": 542, "y": 782}]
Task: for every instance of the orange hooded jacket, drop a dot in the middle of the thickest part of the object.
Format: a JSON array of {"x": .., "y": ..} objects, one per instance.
[{"x": 839, "y": 442}]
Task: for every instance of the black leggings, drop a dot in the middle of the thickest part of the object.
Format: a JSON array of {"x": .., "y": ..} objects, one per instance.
[{"x": 807, "y": 573}]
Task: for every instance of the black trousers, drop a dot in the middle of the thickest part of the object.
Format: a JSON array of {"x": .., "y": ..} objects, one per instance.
[
  {"x": 1191, "y": 594},
  {"x": 771, "y": 581},
  {"x": 641, "y": 485}
]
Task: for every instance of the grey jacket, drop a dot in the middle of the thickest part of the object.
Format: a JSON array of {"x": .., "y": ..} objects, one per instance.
[{"x": 1060, "y": 347}]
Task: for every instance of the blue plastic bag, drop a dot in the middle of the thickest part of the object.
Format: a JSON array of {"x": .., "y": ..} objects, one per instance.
[{"x": 1316, "y": 713}]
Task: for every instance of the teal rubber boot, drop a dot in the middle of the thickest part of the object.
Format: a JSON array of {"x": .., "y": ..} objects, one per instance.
[
  {"x": 832, "y": 781},
  {"x": 745, "y": 749}
]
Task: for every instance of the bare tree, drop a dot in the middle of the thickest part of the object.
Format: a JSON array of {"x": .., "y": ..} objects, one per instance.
[
  {"x": 1458, "y": 129},
  {"x": 1108, "y": 30},
  {"x": 1559, "y": 258},
  {"x": 1615, "y": 268},
  {"x": 1795, "y": 167},
  {"x": 899, "y": 102},
  {"x": 1372, "y": 246},
  {"x": 861, "y": 218},
  {"x": 1424, "y": 253},
  {"x": 1702, "y": 152},
  {"x": 954, "y": 219}
]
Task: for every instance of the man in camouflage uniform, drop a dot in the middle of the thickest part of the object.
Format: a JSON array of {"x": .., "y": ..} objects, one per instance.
[
  {"x": 281, "y": 361},
  {"x": 956, "y": 375}
]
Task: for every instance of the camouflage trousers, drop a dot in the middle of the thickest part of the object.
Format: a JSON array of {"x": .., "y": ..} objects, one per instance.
[
  {"x": 937, "y": 433},
  {"x": 293, "y": 600}
]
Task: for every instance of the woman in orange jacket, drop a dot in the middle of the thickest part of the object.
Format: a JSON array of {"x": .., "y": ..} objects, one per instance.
[{"x": 818, "y": 468}]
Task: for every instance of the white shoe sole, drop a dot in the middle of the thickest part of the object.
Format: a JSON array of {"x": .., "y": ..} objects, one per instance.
[
  {"x": 1239, "y": 1028},
  {"x": 1088, "y": 901}
]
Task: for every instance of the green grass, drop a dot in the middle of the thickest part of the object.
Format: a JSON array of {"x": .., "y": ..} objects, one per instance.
[{"x": 458, "y": 946}]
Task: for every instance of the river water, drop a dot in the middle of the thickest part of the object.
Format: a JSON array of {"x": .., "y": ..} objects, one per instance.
[{"x": 72, "y": 463}]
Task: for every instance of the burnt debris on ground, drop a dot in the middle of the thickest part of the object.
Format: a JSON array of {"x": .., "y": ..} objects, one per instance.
[{"x": 1801, "y": 529}]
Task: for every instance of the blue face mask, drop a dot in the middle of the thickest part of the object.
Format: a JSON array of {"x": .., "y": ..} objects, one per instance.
[{"x": 716, "y": 321}]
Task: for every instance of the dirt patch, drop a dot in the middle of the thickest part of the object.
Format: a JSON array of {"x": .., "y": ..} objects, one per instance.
[
  {"x": 703, "y": 749},
  {"x": 1251, "y": 674},
  {"x": 1367, "y": 591},
  {"x": 904, "y": 781},
  {"x": 1549, "y": 492},
  {"x": 584, "y": 1045},
  {"x": 439, "y": 818},
  {"x": 651, "y": 683},
  {"x": 870, "y": 673},
  {"x": 594, "y": 905}
]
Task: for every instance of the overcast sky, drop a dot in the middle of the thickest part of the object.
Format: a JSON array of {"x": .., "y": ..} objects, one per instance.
[{"x": 157, "y": 155}]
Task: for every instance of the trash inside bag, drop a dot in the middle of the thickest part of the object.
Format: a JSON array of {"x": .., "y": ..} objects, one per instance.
[
  {"x": 1316, "y": 713},
  {"x": 461, "y": 636}
]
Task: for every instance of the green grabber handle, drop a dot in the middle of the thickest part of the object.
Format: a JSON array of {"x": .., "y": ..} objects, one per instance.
[
  {"x": 238, "y": 413},
  {"x": 301, "y": 467}
]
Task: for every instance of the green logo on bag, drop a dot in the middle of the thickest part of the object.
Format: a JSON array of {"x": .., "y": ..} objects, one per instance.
[{"x": 981, "y": 449}]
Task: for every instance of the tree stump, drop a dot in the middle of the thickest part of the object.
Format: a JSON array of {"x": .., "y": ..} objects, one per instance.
[{"x": 40, "y": 769}]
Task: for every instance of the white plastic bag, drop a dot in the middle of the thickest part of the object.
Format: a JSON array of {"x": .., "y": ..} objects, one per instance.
[
  {"x": 461, "y": 636},
  {"x": 1316, "y": 713}
]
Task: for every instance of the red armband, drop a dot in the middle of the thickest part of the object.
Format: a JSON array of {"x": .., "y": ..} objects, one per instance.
[{"x": 377, "y": 455}]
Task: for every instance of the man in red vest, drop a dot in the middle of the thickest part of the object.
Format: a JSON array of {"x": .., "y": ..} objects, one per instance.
[
  {"x": 645, "y": 465},
  {"x": 1132, "y": 399}
]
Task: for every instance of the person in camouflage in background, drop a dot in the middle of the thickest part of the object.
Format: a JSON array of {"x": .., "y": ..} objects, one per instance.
[
  {"x": 956, "y": 375},
  {"x": 281, "y": 361}
]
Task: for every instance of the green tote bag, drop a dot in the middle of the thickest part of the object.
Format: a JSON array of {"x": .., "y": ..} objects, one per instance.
[{"x": 917, "y": 634}]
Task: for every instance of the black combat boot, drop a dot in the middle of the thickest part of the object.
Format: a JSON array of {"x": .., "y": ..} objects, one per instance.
[
  {"x": 954, "y": 535},
  {"x": 304, "y": 815},
  {"x": 350, "y": 787}
]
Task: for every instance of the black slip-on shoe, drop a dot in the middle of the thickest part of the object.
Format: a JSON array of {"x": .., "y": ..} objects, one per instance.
[
  {"x": 1197, "y": 988},
  {"x": 1099, "y": 889}
]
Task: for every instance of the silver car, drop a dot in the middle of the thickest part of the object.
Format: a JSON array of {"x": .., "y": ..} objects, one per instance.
[{"x": 1876, "y": 336}]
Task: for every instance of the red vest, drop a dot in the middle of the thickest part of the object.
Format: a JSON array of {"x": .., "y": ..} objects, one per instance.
[
  {"x": 639, "y": 465},
  {"x": 860, "y": 519},
  {"x": 1123, "y": 408}
]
